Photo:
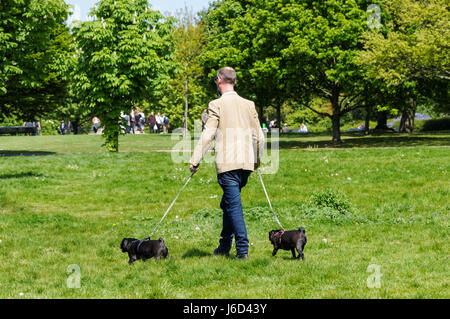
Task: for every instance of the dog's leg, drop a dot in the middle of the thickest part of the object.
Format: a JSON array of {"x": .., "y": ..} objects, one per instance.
[
  {"x": 300, "y": 249},
  {"x": 293, "y": 253},
  {"x": 300, "y": 253},
  {"x": 275, "y": 249},
  {"x": 132, "y": 258}
]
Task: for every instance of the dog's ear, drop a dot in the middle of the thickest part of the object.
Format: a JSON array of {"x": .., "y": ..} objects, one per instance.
[
  {"x": 161, "y": 240},
  {"x": 301, "y": 229},
  {"x": 123, "y": 243}
]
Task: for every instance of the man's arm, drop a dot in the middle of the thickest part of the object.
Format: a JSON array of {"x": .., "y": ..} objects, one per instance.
[{"x": 206, "y": 138}]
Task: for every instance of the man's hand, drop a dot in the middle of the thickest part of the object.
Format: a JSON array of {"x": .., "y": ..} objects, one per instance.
[{"x": 193, "y": 168}]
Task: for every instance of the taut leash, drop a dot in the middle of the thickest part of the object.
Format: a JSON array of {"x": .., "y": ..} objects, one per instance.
[
  {"x": 270, "y": 205},
  {"x": 170, "y": 207}
]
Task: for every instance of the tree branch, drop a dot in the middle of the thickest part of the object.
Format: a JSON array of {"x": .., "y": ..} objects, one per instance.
[{"x": 320, "y": 113}]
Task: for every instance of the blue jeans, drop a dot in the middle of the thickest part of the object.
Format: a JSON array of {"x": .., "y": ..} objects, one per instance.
[{"x": 233, "y": 217}]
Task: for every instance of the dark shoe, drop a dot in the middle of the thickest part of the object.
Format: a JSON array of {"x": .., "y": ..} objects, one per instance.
[
  {"x": 241, "y": 256},
  {"x": 219, "y": 252}
]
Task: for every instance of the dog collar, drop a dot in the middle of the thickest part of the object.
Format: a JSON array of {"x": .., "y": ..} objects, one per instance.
[{"x": 280, "y": 234}]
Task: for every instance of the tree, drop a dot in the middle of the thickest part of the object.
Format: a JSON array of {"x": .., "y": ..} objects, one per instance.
[
  {"x": 292, "y": 50},
  {"x": 184, "y": 95},
  {"x": 410, "y": 53},
  {"x": 34, "y": 49},
  {"x": 126, "y": 57}
]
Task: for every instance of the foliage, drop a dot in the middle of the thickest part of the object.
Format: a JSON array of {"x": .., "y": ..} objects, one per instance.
[
  {"x": 437, "y": 124},
  {"x": 409, "y": 54},
  {"x": 126, "y": 57},
  {"x": 290, "y": 50},
  {"x": 185, "y": 86},
  {"x": 34, "y": 48},
  {"x": 332, "y": 199},
  {"x": 413, "y": 45}
]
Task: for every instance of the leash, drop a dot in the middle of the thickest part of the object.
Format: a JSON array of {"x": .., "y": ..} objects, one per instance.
[
  {"x": 170, "y": 207},
  {"x": 267, "y": 196}
]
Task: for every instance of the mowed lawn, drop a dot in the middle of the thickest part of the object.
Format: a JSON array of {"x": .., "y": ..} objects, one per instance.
[{"x": 65, "y": 205}]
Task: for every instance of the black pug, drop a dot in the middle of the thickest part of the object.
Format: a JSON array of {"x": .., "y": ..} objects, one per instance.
[
  {"x": 288, "y": 240},
  {"x": 144, "y": 249}
]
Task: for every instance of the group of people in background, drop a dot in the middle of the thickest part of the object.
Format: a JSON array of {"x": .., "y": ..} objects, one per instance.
[{"x": 136, "y": 121}]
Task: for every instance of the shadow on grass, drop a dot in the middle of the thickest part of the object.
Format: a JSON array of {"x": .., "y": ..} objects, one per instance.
[
  {"x": 20, "y": 175},
  {"x": 360, "y": 141},
  {"x": 195, "y": 252},
  {"x": 24, "y": 153}
]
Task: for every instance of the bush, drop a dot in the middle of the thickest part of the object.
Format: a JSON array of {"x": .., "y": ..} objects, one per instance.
[
  {"x": 437, "y": 124},
  {"x": 332, "y": 199}
]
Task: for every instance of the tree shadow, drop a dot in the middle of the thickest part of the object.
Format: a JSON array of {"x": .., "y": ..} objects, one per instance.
[
  {"x": 358, "y": 140},
  {"x": 20, "y": 175},
  {"x": 195, "y": 252},
  {"x": 7, "y": 153}
]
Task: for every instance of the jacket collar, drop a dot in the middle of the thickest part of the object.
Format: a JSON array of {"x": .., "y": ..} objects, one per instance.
[{"x": 229, "y": 92}]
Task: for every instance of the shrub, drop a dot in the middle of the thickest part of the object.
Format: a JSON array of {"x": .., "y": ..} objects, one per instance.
[
  {"x": 437, "y": 124},
  {"x": 332, "y": 199}
]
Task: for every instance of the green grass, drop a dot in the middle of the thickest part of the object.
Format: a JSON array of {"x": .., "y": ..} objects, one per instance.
[{"x": 75, "y": 203}]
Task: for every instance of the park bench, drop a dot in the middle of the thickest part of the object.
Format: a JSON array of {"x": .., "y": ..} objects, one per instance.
[{"x": 14, "y": 130}]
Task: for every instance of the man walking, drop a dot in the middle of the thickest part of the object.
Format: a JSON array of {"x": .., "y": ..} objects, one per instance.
[
  {"x": 62, "y": 127},
  {"x": 239, "y": 140}
]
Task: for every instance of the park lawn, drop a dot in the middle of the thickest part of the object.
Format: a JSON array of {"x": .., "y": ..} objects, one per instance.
[{"x": 75, "y": 204}]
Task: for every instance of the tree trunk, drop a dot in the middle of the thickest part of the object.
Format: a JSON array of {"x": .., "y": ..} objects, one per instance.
[
  {"x": 76, "y": 125},
  {"x": 186, "y": 105},
  {"x": 280, "y": 125},
  {"x": 112, "y": 142},
  {"x": 382, "y": 121},
  {"x": 407, "y": 121},
  {"x": 261, "y": 114},
  {"x": 336, "y": 121},
  {"x": 368, "y": 113},
  {"x": 336, "y": 116}
]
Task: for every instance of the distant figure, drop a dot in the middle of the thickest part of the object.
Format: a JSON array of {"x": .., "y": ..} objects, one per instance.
[
  {"x": 159, "y": 122},
  {"x": 96, "y": 123},
  {"x": 132, "y": 121},
  {"x": 151, "y": 122},
  {"x": 62, "y": 127},
  {"x": 204, "y": 118},
  {"x": 69, "y": 127},
  {"x": 37, "y": 125},
  {"x": 303, "y": 128},
  {"x": 142, "y": 122},
  {"x": 165, "y": 124},
  {"x": 285, "y": 128},
  {"x": 127, "y": 123}
]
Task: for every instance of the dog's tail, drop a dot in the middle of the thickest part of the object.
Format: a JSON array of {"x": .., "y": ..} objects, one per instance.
[{"x": 302, "y": 230}]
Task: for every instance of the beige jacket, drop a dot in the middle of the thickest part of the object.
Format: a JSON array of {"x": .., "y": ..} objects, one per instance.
[{"x": 234, "y": 125}]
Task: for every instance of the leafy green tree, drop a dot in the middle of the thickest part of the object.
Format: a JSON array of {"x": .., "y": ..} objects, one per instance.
[
  {"x": 126, "y": 57},
  {"x": 184, "y": 98},
  {"x": 285, "y": 49},
  {"x": 34, "y": 49},
  {"x": 409, "y": 54}
]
